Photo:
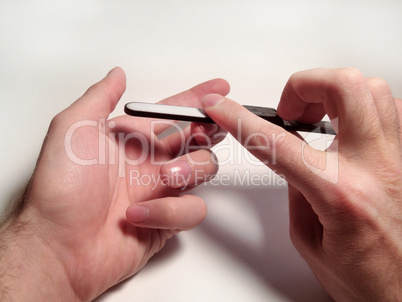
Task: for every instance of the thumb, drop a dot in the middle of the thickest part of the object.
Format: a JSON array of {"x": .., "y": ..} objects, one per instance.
[
  {"x": 101, "y": 98},
  {"x": 70, "y": 127}
]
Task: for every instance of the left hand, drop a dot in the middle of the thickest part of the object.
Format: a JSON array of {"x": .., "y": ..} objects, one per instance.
[{"x": 106, "y": 195}]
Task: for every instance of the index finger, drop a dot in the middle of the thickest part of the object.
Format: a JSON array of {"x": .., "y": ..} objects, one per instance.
[
  {"x": 307, "y": 169},
  {"x": 280, "y": 150}
]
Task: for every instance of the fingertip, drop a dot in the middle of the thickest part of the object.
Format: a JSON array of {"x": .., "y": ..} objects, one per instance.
[
  {"x": 211, "y": 100},
  {"x": 117, "y": 70},
  {"x": 223, "y": 85},
  {"x": 225, "y": 112},
  {"x": 286, "y": 110},
  {"x": 208, "y": 129},
  {"x": 177, "y": 173},
  {"x": 175, "y": 213},
  {"x": 115, "y": 83},
  {"x": 101, "y": 98},
  {"x": 207, "y": 134},
  {"x": 218, "y": 85},
  {"x": 200, "y": 209},
  {"x": 137, "y": 214}
]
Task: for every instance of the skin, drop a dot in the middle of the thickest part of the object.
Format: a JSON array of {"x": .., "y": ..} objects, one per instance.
[
  {"x": 80, "y": 229},
  {"x": 345, "y": 203}
]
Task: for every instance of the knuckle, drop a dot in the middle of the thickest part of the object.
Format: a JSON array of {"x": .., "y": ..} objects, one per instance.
[
  {"x": 59, "y": 121},
  {"x": 56, "y": 120},
  {"x": 93, "y": 88},
  {"x": 101, "y": 90},
  {"x": 352, "y": 202},
  {"x": 378, "y": 86},
  {"x": 349, "y": 78},
  {"x": 170, "y": 214},
  {"x": 257, "y": 139}
]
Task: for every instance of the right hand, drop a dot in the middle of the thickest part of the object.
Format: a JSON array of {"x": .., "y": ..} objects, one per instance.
[{"x": 346, "y": 202}]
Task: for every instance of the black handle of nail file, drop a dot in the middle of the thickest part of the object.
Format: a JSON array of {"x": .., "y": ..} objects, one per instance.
[
  {"x": 269, "y": 114},
  {"x": 189, "y": 114}
]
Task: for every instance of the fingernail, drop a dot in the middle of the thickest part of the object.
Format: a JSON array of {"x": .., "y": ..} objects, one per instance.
[
  {"x": 112, "y": 70},
  {"x": 211, "y": 100},
  {"x": 209, "y": 129},
  {"x": 137, "y": 213},
  {"x": 178, "y": 173}
]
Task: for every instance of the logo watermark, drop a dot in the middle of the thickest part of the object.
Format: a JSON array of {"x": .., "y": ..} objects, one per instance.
[
  {"x": 237, "y": 178},
  {"x": 128, "y": 150}
]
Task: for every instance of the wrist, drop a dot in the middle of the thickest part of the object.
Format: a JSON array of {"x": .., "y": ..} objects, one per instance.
[{"x": 29, "y": 269}]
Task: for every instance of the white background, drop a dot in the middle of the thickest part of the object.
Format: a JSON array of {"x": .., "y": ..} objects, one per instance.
[{"x": 52, "y": 51}]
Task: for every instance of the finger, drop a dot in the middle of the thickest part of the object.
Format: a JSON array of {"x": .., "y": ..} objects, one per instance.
[
  {"x": 344, "y": 95},
  {"x": 80, "y": 123},
  {"x": 312, "y": 114},
  {"x": 304, "y": 226},
  {"x": 398, "y": 104},
  {"x": 193, "y": 97},
  {"x": 280, "y": 150},
  {"x": 198, "y": 135},
  {"x": 190, "y": 170},
  {"x": 175, "y": 213},
  {"x": 101, "y": 98},
  {"x": 205, "y": 134},
  {"x": 386, "y": 108}
]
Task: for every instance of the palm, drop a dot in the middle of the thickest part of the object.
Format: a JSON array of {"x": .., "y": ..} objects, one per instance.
[
  {"x": 83, "y": 185},
  {"x": 105, "y": 241}
]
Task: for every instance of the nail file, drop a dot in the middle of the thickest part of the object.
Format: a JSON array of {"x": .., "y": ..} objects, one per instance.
[{"x": 191, "y": 114}]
